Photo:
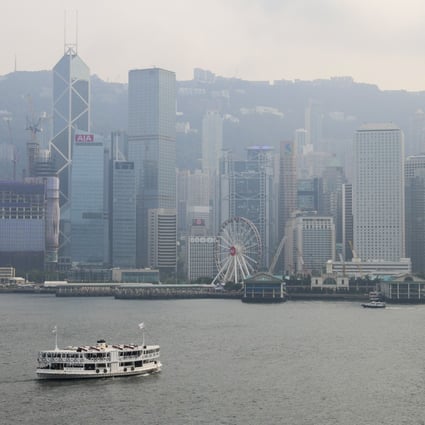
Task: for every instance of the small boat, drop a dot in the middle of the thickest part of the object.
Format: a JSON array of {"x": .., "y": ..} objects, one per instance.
[
  {"x": 374, "y": 304},
  {"x": 101, "y": 360}
]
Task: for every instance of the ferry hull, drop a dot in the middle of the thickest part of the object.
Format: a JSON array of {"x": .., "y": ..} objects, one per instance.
[{"x": 72, "y": 374}]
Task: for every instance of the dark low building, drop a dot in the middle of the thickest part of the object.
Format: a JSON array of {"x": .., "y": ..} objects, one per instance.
[{"x": 264, "y": 288}]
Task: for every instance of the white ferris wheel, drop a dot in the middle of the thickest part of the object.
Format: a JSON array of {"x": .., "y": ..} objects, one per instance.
[{"x": 238, "y": 250}]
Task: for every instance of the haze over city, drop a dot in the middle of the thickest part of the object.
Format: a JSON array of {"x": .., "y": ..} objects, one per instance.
[{"x": 375, "y": 42}]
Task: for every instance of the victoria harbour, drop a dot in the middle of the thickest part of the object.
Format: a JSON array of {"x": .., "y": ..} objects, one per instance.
[{"x": 224, "y": 362}]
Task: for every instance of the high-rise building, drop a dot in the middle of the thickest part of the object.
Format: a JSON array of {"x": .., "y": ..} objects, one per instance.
[
  {"x": 415, "y": 211},
  {"x": 333, "y": 178},
  {"x": 151, "y": 146},
  {"x": 200, "y": 252},
  {"x": 29, "y": 225},
  {"x": 247, "y": 190},
  {"x": 88, "y": 214},
  {"x": 123, "y": 215},
  {"x": 71, "y": 112},
  {"x": 212, "y": 140},
  {"x": 162, "y": 239},
  {"x": 310, "y": 243},
  {"x": 287, "y": 183},
  {"x": 378, "y": 193},
  {"x": 314, "y": 123},
  {"x": 347, "y": 221},
  {"x": 287, "y": 187}
]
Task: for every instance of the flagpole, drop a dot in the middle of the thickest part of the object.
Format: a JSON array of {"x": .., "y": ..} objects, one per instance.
[
  {"x": 142, "y": 327},
  {"x": 55, "y": 331}
]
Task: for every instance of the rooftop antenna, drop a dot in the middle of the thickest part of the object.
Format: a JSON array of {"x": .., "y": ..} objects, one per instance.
[{"x": 70, "y": 48}]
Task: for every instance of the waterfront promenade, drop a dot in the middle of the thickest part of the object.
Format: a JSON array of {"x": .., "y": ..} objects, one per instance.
[{"x": 161, "y": 292}]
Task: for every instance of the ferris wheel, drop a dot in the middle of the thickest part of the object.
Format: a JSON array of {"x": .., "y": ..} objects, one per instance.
[{"x": 238, "y": 250}]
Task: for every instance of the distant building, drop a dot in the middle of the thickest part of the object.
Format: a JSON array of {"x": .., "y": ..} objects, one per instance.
[
  {"x": 200, "y": 252},
  {"x": 247, "y": 190},
  {"x": 123, "y": 215},
  {"x": 162, "y": 239},
  {"x": 135, "y": 275},
  {"x": 71, "y": 112},
  {"x": 378, "y": 193},
  {"x": 26, "y": 228},
  {"x": 89, "y": 225},
  {"x": 310, "y": 243},
  {"x": 415, "y": 211},
  {"x": 347, "y": 221},
  {"x": 152, "y": 148}
]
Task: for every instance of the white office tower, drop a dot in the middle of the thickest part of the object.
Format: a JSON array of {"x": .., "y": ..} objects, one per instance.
[{"x": 378, "y": 193}]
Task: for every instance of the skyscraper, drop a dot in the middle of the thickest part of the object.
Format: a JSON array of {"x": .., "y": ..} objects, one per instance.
[
  {"x": 88, "y": 215},
  {"x": 246, "y": 190},
  {"x": 123, "y": 215},
  {"x": 151, "y": 146},
  {"x": 212, "y": 140},
  {"x": 378, "y": 193},
  {"x": 415, "y": 211},
  {"x": 71, "y": 112}
]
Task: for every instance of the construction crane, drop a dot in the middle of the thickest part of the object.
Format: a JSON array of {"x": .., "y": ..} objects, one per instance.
[{"x": 277, "y": 255}]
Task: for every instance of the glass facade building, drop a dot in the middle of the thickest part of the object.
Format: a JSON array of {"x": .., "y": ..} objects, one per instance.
[
  {"x": 151, "y": 146},
  {"x": 71, "y": 112},
  {"x": 123, "y": 215},
  {"x": 88, "y": 217}
]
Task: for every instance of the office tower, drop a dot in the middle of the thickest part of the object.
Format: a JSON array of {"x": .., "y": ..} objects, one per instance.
[
  {"x": 415, "y": 211},
  {"x": 347, "y": 221},
  {"x": 123, "y": 215},
  {"x": 378, "y": 192},
  {"x": 7, "y": 162},
  {"x": 314, "y": 124},
  {"x": 309, "y": 193},
  {"x": 310, "y": 243},
  {"x": 29, "y": 223},
  {"x": 416, "y": 144},
  {"x": 162, "y": 238},
  {"x": 246, "y": 190},
  {"x": 287, "y": 186},
  {"x": 333, "y": 178},
  {"x": 212, "y": 146},
  {"x": 200, "y": 252},
  {"x": 193, "y": 193},
  {"x": 88, "y": 213},
  {"x": 212, "y": 141},
  {"x": 151, "y": 146},
  {"x": 287, "y": 183},
  {"x": 71, "y": 112}
]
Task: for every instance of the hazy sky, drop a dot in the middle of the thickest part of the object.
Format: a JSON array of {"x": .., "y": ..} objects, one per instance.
[{"x": 374, "y": 41}]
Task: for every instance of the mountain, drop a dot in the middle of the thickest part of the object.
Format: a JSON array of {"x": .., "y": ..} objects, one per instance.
[{"x": 256, "y": 112}]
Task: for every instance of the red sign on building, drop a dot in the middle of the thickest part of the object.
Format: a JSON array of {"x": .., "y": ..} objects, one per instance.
[{"x": 84, "y": 138}]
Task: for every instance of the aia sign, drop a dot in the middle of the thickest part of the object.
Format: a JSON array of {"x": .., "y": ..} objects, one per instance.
[{"x": 84, "y": 138}]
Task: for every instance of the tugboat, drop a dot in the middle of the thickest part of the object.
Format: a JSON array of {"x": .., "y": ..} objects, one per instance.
[{"x": 101, "y": 360}]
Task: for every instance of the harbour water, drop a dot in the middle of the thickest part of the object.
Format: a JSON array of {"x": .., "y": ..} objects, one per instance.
[{"x": 224, "y": 362}]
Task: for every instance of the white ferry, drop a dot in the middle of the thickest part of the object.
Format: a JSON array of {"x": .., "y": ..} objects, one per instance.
[{"x": 98, "y": 361}]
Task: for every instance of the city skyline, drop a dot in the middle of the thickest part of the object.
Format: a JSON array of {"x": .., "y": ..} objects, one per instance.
[{"x": 251, "y": 40}]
